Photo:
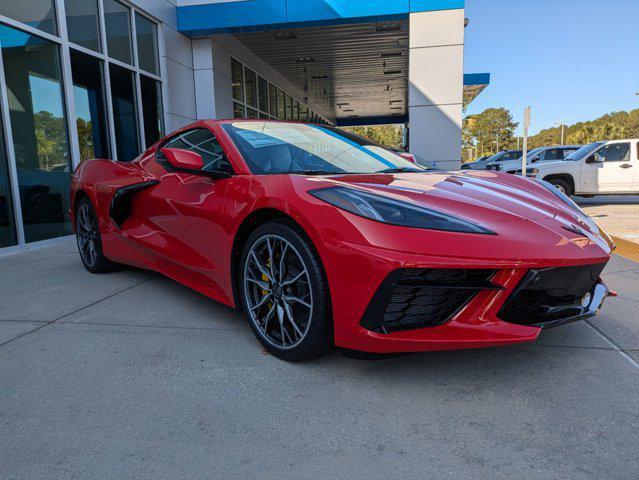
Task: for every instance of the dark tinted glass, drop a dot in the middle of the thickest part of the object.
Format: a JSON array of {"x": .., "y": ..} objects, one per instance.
[
  {"x": 38, "y": 123},
  {"x": 118, "y": 30},
  {"x": 238, "y": 110},
  {"x": 38, "y": 14},
  {"x": 90, "y": 110},
  {"x": 124, "y": 113},
  {"x": 145, "y": 31},
  {"x": 262, "y": 94},
  {"x": 281, "y": 105},
  {"x": 237, "y": 79},
  {"x": 272, "y": 99},
  {"x": 250, "y": 90},
  {"x": 151, "y": 109},
  {"x": 615, "y": 152},
  {"x": 203, "y": 142},
  {"x": 7, "y": 220},
  {"x": 82, "y": 23}
]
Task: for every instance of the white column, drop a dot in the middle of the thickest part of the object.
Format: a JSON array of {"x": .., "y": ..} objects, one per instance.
[
  {"x": 435, "y": 90},
  {"x": 213, "y": 88}
]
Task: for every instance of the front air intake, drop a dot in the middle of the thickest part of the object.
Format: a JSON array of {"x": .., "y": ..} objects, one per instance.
[{"x": 417, "y": 298}]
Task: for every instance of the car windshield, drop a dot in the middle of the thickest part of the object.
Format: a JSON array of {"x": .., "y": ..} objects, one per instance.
[
  {"x": 584, "y": 151},
  {"x": 279, "y": 147}
]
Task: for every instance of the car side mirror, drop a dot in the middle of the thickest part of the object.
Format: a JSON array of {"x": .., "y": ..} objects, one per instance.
[
  {"x": 183, "y": 159},
  {"x": 593, "y": 159},
  {"x": 190, "y": 162},
  {"x": 408, "y": 156}
]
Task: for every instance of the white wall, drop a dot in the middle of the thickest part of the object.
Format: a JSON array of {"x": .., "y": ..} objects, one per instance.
[
  {"x": 176, "y": 63},
  {"x": 435, "y": 90}
]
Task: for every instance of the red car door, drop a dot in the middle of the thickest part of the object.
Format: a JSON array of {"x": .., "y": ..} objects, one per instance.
[{"x": 184, "y": 215}]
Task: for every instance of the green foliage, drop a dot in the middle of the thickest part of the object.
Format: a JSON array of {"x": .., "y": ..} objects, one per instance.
[
  {"x": 612, "y": 126},
  {"x": 387, "y": 135},
  {"x": 51, "y": 140},
  {"x": 489, "y": 132}
]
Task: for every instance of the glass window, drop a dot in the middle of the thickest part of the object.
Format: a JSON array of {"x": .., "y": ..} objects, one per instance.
[
  {"x": 151, "y": 109},
  {"x": 272, "y": 99},
  {"x": 250, "y": 89},
  {"x": 262, "y": 94},
  {"x": 296, "y": 111},
  {"x": 281, "y": 106},
  {"x": 118, "y": 30},
  {"x": 83, "y": 23},
  {"x": 615, "y": 152},
  {"x": 91, "y": 117},
  {"x": 276, "y": 147},
  {"x": 147, "y": 38},
  {"x": 203, "y": 141},
  {"x": 38, "y": 14},
  {"x": 303, "y": 113},
  {"x": 568, "y": 151},
  {"x": 124, "y": 113},
  {"x": 251, "y": 113},
  {"x": 40, "y": 141},
  {"x": 237, "y": 79},
  {"x": 238, "y": 110},
  {"x": 289, "y": 108},
  {"x": 553, "y": 154},
  {"x": 7, "y": 220}
]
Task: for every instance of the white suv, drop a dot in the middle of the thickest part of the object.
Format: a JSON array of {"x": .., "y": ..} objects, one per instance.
[
  {"x": 538, "y": 155},
  {"x": 601, "y": 168}
]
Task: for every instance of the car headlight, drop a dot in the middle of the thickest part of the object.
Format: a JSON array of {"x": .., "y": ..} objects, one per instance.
[
  {"x": 568, "y": 201},
  {"x": 394, "y": 212},
  {"x": 530, "y": 172}
]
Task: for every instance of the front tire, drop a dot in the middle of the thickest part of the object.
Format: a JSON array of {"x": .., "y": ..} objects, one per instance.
[
  {"x": 561, "y": 185},
  {"x": 285, "y": 293},
  {"x": 89, "y": 239}
]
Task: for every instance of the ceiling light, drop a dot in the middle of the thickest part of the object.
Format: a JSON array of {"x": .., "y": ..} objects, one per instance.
[
  {"x": 391, "y": 53},
  {"x": 343, "y": 104},
  {"x": 395, "y": 101},
  {"x": 305, "y": 59},
  {"x": 318, "y": 77},
  {"x": 349, "y": 110},
  {"x": 397, "y": 108},
  {"x": 283, "y": 35},
  {"x": 387, "y": 26},
  {"x": 392, "y": 72}
]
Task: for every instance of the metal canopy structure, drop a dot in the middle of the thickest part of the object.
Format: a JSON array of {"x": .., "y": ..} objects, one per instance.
[{"x": 357, "y": 71}]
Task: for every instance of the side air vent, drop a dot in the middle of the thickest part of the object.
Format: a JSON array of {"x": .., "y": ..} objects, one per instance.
[
  {"x": 418, "y": 298},
  {"x": 120, "y": 207}
]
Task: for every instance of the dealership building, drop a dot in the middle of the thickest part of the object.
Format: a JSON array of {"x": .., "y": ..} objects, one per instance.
[{"x": 106, "y": 78}]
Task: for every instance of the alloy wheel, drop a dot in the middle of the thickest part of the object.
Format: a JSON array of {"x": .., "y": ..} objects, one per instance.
[
  {"x": 277, "y": 291},
  {"x": 87, "y": 234}
]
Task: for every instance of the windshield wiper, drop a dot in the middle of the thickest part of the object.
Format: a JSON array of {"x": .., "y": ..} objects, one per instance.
[
  {"x": 314, "y": 172},
  {"x": 401, "y": 170}
]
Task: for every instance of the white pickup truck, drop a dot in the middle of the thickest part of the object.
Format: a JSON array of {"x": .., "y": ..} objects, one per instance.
[{"x": 601, "y": 168}]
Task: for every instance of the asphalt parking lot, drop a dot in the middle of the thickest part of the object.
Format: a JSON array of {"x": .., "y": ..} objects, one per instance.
[{"x": 130, "y": 375}]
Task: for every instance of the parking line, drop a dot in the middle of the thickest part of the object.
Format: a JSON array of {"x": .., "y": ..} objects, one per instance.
[
  {"x": 626, "y": 248},
  {"x": 614, "y": 345}
]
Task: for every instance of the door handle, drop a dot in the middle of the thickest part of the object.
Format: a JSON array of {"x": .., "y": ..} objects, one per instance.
[{"x": 626, "y": 165}]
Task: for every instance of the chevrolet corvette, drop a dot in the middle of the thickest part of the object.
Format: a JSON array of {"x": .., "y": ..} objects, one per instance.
[{"x": 324, "y": 239}]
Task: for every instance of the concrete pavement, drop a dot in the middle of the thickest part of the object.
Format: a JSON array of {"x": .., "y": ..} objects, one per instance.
[{"x": 129, "y": 375}]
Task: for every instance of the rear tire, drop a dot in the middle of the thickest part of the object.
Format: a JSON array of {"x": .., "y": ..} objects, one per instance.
[
  {"x": 561, "y": 185},
  {"x": 89, "y": 239},
  {"x": 284, "y": 292}
]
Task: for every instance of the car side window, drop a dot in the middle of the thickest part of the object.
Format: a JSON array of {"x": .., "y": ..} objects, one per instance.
[
  {"x": 568, "y": 151},
  {"x": 203, "y": 142},
  {"x": 553, "y": 154},
  {"x": 615, "y": 152}
]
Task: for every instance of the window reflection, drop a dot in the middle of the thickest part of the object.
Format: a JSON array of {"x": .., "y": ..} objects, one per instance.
[
  {"x": 147, "y": 44},
  {"x": 38, "y": 14},
  {"x": 90, "y": 109},
  {"x": 124, "y": 113},
  {"x": 151, "y": 109},
  {"x": 118, "y": 30},
  {"x": 36, "y": 110},
  {"x": 82, "y": 23},
  {"x": 7, "y": 221}
]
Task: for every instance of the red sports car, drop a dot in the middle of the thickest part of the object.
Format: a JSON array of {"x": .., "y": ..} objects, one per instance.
[{"x": 324, "y": 238}]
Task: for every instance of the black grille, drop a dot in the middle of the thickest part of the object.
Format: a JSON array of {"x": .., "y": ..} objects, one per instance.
[
  {"x": 547, "y": 295},
  {"x": 418, "y": 298}
]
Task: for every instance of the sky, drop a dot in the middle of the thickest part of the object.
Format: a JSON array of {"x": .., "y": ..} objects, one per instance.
[{"x": 570, "y": 60}]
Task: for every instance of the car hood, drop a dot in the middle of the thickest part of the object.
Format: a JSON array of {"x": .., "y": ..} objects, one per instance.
[{"x": 476, "y": 195}]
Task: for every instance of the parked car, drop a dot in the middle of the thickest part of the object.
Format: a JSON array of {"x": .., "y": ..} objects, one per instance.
[
  {"x": 479, "y": 164},
  {"x": 323, "y": 238},
  {"x": 538, "y": 155},
  {"x": 493, "y": 162},
  {"x": 601, "y": 168}
]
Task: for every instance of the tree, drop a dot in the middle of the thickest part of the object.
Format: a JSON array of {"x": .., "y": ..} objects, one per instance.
[
  {"x": 387, "y": 135},
  {"x": 489, "y": 131}
]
